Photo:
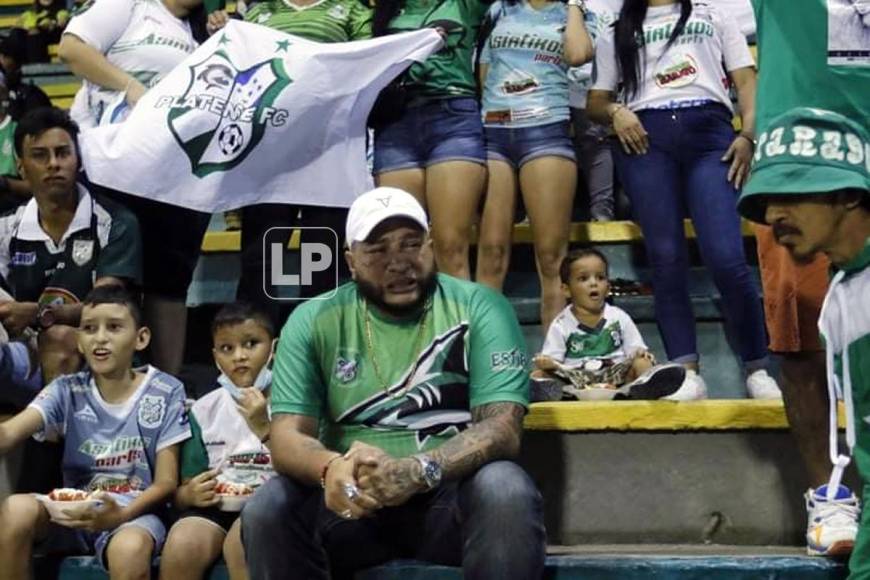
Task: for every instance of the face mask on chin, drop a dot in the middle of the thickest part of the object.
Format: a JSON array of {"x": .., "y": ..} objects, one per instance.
[{"x": 262, "y": 382}]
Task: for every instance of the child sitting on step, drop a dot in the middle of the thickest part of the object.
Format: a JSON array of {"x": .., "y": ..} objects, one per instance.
[
  {"x": 595, "y": 346},
  {"x": 121, "y": 429},
  {"x": 228, "y": 453}
]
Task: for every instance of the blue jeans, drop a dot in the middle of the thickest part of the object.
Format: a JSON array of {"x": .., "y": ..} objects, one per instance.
[
  {"x": 429, "y": 132},
  {"x": 683, "y": 171},
  {"x": 519, "y": 145},
  {"x": 491, "y": 524}
]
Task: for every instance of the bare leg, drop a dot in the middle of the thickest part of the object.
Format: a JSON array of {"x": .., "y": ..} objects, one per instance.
[
  {"x": 24, "y": 520},
  {"x": 453, "y": 190},
  {"x": 234, "y": 553},
  {"x": 167, "y": 319},
  {"x": 804, "y": 391},
  {"x": 191, "y": 548},
  {"x": 548, "y": 185},
  {"x": 129, "y": 554},
  {"x": 58, "y": 352},
  {"x": 411, "y": 180},
  {"x": 496, "y": 226}
]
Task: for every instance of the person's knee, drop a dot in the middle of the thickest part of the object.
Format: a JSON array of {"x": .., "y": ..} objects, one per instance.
[
  {"x": 58, "y": 351},
  {"x": 185, "y": 546},
  {"x": 492, "y": 258},
  {"x": 502, "y": 490},
  {"x": 549, "y": 258},
  {"x": 129, "y": 554},
  {"x": 20, "y": 515}
]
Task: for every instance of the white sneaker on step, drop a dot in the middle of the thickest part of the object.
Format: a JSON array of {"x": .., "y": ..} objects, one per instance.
[
  {"x": 832, "y": 524},
  {"x": 761, "y": 385},
  {"x": 693, "y": 388}
]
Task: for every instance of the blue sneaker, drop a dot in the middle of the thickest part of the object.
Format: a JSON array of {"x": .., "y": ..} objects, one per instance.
[{"x": 832, "y": 524}]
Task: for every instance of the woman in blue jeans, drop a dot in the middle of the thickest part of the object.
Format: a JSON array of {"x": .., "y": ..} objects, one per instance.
[
  {"x": 675, "y": 61},
  {"x": 524, "y": 73}
]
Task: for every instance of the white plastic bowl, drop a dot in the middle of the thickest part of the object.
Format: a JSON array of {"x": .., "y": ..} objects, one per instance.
[
  {"x": 64, "y": 511},
  {"x": 233, "y": 503},
  {"x": 596, "y": 394}
]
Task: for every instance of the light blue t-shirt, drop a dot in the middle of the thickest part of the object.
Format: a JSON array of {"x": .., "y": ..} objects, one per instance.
[
  {"x": 527, "y": 81},
  {"x": 600, "y": 15},
  {"x": 112, "y": 447}
]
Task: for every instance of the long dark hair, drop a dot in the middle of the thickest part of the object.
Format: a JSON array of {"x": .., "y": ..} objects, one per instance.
[
  {"x": 385, "y": 10},
  {"x": 629, "y": 40}
]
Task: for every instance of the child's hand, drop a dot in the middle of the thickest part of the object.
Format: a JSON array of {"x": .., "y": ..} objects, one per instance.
[
  {"x": 545, "y": 363},
  {"x": 201, "y": 489},
  {"x": 108, "y": 516},
  {"x": 255, "y": 409}
]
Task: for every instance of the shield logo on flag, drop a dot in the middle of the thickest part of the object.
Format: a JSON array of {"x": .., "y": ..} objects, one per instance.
[{"x": 224, "y": 112}]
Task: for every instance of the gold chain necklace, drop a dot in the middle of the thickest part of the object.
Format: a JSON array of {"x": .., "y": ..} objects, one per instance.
[{"x": 421, "y": 331}]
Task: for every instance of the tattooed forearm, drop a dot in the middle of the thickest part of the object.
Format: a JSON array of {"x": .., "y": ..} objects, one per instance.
[{"x": 495, "y": 433}]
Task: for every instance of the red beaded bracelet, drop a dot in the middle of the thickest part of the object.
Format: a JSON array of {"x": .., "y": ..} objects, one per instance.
[{"x": 325, "y": 469}]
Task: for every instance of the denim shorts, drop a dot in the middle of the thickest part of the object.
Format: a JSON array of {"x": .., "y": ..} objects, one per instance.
[
  {"x": 69, "y": 541},
  {"x": 431, "y": 132},
  {"x": 520, "y": 145}
]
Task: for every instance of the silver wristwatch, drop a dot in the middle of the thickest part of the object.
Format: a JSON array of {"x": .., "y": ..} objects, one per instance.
[{"x": 430, "y": 471}]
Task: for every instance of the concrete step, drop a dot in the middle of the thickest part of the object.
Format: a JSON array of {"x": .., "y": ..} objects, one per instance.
[{"x": 619, "y": 562}]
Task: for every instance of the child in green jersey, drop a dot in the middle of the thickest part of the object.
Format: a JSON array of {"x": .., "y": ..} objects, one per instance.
[
  {"x": 596, "y": 346},
  {"x": 228, "y": 455}
]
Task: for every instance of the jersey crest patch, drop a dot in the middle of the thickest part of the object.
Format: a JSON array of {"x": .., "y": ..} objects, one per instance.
[
  {"x": 82, "y": 251},
  {"x": 152, "y": 409},
  {"x": 346, "y": 368}
]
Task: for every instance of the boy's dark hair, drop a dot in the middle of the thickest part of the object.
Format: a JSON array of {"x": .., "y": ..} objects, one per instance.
[
  {"x": 577, "y": 254},
  {"x": 38, "y": 121},
  {"x": 116, "y": 294},
  {"x": 237, "y": 313}
]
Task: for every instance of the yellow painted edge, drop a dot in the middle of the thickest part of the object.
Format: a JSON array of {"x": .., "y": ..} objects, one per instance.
[
  {"x": 9, "y": 20},
  {"x": 710, "y": 415},
  {"x": 596, "y": 232},
  {"x": 61, "y": 89},
  {"x": 62, "y": 102},
  {"x": 22, "y": 3}
]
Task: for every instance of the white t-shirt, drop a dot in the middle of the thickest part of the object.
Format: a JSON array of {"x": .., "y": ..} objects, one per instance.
[
  {"x": 690, "y": 72},
  {"x": 616, "y": 338},
  {"x": 141, "y": 37},
  {"x": 600, "y": 16}
]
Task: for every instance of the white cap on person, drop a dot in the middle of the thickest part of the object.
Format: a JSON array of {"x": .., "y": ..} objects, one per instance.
[{"x": 377, "y": 205}]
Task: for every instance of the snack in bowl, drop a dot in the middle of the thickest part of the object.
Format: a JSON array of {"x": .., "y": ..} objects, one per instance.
[
  {"x": 233, "y": 496},
  {"x": 65, "y": 503}
]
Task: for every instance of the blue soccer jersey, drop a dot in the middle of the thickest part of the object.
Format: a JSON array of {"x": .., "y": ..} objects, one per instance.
[
  {"x": 112, "y": 447},
  {"x": 527, "y": 81}
]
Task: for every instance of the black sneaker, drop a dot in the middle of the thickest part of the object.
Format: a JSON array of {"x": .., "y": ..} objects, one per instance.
[{"x": 659, "y": 381}]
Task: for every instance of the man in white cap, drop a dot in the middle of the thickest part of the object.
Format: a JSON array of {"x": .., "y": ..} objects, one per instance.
[{"x": 397, "y": 410}]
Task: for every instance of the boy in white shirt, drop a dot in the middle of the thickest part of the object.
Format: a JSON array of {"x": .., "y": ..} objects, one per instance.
[
  {"x": 230, "y": 441},
  {"x": 596, "y": 346}
]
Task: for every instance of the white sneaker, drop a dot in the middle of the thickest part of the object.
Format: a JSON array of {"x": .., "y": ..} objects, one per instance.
[
  {"x": 832, "y": 524},
  {"x": 693, "y": 388},
  {"x": 761, "y": 385}
]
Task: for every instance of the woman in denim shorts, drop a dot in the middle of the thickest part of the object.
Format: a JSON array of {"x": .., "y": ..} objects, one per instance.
[
  {"x": 676, "y": 60},
  {"x": 524, "y": 73},
  {"x": 432, "y": 143}
]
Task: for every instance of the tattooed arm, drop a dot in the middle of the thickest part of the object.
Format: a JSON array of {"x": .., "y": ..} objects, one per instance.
[{"x": 495, "y": 433}]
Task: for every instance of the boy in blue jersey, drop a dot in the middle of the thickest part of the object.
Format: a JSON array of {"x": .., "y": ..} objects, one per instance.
[{"x": 121, "y": 429}]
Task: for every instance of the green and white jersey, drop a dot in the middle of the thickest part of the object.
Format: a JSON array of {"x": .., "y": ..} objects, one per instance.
[
  {"x": 448, "y": 72},
  {"x": 220, "y": 438},
  {"x": 414, "y": 384},
  {"x": 140, "y": 37},
  {"x": 796, "y": 56},
  {"x": 7, "y": 147},
  {"x": 323, "y": 21},
  {"x": 845, "y": 328},
  {"x": 615, "y": 338},
  {"x": 102, "y": 240}
]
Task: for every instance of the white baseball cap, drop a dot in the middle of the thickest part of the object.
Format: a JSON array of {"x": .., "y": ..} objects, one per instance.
[{"x": 377, "y": 205}]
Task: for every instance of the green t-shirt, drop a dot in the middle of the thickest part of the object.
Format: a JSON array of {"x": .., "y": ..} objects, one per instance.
[
  {"x": 798, "y": 62},
  {"x": 471, "y": 352},
  {"x": 326, "y": 21},
  {"x": 449, "y": 72},
  {"x": 7, "y": 148}
]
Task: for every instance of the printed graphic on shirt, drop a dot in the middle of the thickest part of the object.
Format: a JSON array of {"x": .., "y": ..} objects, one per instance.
[
  {"x": 849, "y": 32},
  {"x": 431, "y": 399},
  {"x": 583, "y": 345},
  {"x": 678, "y": 70}
]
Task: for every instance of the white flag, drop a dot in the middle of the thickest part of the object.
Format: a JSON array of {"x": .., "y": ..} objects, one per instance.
[{"x": 252, "y": 116}]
